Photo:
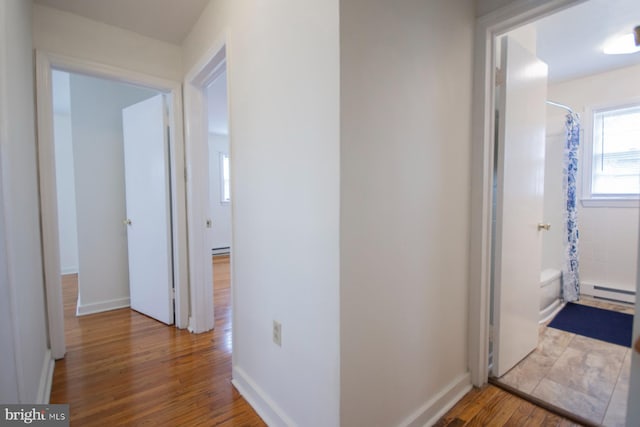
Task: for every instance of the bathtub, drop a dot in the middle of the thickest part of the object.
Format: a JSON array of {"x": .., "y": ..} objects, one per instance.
[{"x": 550, "y": 303}]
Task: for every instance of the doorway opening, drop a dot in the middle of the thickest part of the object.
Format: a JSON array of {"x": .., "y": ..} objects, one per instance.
[
  {"x": 100, "y": 169},
  {"x": 568, "y": 370},
  {"x": 111, "y": 162},
  {"x": 219, "y": 194},
  {"x": 210, "y": 184}
]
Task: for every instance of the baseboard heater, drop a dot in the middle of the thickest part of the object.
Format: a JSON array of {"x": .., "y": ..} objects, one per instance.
[
  {"x": 221, "y": 251},
  {"x": 608, "y": 293}
]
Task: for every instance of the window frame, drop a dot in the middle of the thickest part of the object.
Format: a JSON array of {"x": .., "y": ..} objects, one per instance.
[{"x": 588, "y": 123}]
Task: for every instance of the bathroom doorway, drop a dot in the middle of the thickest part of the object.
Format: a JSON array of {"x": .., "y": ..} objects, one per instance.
[{"x": 554, "y": 369}]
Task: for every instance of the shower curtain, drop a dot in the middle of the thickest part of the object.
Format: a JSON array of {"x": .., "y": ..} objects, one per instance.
[{"x": 570, "y": 276}]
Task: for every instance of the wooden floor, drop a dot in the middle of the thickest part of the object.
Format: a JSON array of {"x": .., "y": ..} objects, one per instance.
[
  {"x": 492, "y": 406},
  {"x": 125, "y": 369}
]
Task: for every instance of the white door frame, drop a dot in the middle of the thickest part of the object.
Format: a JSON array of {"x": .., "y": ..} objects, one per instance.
[
  {"x": 513, "y": 15},
  {"x": 45, "y": 62},
  {"x": 206, "y": 70}
]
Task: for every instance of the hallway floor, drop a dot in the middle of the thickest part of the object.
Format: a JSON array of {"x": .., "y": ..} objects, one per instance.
[
  {"x": 125, "y": 369},
  {"x": 585, "y": 376}
]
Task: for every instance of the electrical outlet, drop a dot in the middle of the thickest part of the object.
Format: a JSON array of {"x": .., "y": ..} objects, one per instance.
[{"x": 277, "y": 333}]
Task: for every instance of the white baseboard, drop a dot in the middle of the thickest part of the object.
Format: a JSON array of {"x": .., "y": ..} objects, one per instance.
[
  {"x": 69, "y": 270},
  {"x": 99, "y": 307},
  {"x": 429, "y": 413},
  {"x": 258, "y": 399},
  {"x": 46, "y": 378}
]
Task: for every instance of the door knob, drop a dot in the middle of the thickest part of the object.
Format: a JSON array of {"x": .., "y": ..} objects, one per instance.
[
  {"x": 544, "y": 227},
  {"x": 636, "y": 346},
  {"x": 127, "y": 221}
]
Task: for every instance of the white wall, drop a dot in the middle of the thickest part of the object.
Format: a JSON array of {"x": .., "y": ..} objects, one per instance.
[
  {"x": 608, "y": 236},
  {"x": 283, "y": 76},
  {"x": 405, "y": 160},
  {"x": 8, "y": 371},
  {"x": 68, "y": 34},
  {"x": 98, "y": 155},
  {"x": 220, "y": 211},
  {"x": 25, "y": 356},
  {"x": 65, "y": 186},
  {"x": 484, "y": 7}
]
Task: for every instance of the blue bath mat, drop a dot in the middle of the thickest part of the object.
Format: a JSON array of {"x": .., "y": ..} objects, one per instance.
[{"x": 597, "y": 323}]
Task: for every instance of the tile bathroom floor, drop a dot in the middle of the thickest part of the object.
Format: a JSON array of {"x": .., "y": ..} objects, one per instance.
[{"x": 585, "y": 376}]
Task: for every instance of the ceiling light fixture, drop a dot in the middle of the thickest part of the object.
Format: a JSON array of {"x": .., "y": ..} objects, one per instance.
[{"x": 628, "y": 43}]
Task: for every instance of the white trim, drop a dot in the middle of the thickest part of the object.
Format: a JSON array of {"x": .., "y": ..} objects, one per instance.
[
  {"x": 512, "y": 15},
  {"x": 266, "y": 408},
  {"x": 46, "y": 379},
  {"x": 45, "y": 62},
  {"x": 206, "y": 70},
  {"x": 48, "y": 206},
  {"x": 429, "y": 413},
  {"x": 99, "y": 307}
]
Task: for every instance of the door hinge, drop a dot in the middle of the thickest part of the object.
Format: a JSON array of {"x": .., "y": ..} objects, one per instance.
[
  {"x": 185, "y": 174},
  {"x": 173, "y": 294},
  {"x": 490, "y": 333}
]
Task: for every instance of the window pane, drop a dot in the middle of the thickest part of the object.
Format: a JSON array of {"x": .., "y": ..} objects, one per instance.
[{"x": 616, "y": 152}]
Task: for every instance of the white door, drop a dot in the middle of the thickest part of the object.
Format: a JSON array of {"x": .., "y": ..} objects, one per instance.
[
  {"x": 146, "y": 161},
  {"x": 519, "y": 203}
]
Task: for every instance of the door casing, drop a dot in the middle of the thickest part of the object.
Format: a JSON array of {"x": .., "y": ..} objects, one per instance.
[
  {"x": 488, "y": 28},
  {"x": 45, "y": 63},
  {"x": 206, "y": 70}
]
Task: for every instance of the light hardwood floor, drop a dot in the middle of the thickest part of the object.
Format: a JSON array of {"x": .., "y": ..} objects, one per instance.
[
  {"x": 491, "y": 406},
  {"x": 125, "y": 369}
]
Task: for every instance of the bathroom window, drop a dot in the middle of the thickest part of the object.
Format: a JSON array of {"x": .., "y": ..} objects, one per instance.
[
  {"x": 225, "y": 187},
  {"x": 615, "y": 155}
]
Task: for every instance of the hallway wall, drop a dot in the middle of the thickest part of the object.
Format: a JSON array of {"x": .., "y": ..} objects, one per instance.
[
  {"x": 26, "y": 360},
  {"x": 283, "y": 73},
  {"x": 404, "y": 223}
]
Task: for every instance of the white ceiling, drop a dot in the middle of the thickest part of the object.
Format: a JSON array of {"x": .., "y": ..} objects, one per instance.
[
  {"x": 166, "y": 20},
  {"x": 571, "y": 41}
]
